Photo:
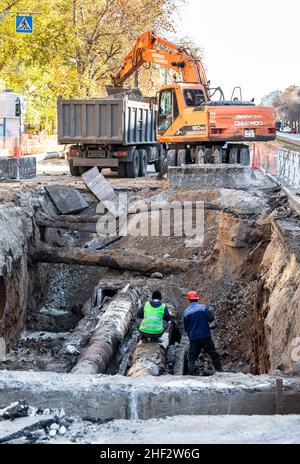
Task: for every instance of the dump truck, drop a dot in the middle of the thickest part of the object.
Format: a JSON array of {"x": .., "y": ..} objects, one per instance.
[{"x": 116, "y": 132}]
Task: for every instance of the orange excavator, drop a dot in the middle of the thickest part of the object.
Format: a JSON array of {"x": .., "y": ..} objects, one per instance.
[{"x": 193, "y": 127}]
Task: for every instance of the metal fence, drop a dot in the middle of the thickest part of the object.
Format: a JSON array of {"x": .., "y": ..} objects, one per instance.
[
  {"x": 282, "y": 163},
  {"x": 289, "y": 167}
]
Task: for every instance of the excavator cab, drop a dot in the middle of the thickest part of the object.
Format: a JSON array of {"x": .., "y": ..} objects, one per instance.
[
  {"x": 181, "y": 111},
  {"x": 168, "y": 109}
]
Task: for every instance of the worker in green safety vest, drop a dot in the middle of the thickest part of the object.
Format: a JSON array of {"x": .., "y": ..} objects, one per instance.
[{"x": 155, "y": 317}]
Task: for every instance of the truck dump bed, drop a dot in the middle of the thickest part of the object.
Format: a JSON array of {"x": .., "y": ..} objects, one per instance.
[{"x": 102, "y": 121}]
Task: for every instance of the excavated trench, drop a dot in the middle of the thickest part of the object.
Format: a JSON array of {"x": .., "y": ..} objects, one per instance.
[{"x": 80, "y": 320}]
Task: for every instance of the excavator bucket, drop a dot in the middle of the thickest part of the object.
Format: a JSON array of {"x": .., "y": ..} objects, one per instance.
[{"x": 131, "y": 94}]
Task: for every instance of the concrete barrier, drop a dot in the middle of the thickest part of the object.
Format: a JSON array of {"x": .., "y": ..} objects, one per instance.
[
  {"x": 117, "y": 397},
  {"x": 230, "y": 176},
  {"x": 15, "y": 168}
]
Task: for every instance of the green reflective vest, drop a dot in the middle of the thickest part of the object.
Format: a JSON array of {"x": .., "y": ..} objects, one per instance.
[{"x": 153, "y": 319}]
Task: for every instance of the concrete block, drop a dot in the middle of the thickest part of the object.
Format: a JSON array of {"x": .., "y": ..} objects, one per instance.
[
  {"x": 67, "y": 199},
  {"x": 118, "y": 397},
  {"x": 13, "y": 168}
]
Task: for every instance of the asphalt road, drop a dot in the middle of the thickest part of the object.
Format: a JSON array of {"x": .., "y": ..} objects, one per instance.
[{"x": 289, "y": 137}]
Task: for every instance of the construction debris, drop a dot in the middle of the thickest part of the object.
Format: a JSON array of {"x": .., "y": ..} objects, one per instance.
[
  {"x": 14, "y": 410},
  {"x": 117, "y": 259},
  {"x": 67, "y": 199},
  {"x": 102, "y": 189}
]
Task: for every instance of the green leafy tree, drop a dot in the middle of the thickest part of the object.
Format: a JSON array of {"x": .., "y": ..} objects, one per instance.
[{"x": 75, "y": 47}]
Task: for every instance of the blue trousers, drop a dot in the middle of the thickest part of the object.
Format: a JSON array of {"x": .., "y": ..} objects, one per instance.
[{"x": 208, "y": 345}]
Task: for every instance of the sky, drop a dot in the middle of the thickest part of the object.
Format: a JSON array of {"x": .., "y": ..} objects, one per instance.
[{"x": 254, "y": 44}]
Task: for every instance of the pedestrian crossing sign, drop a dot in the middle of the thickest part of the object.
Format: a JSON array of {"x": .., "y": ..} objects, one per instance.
[{"x": 24, "y": 24}]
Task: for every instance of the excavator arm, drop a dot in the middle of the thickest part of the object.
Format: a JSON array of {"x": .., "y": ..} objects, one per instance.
[{"x": 171, "y": 56}]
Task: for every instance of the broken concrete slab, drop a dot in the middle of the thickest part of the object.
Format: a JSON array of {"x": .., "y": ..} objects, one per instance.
[
  {"x": 103, "y": 397},
  {"x": 67, "y": 199},
  {"x": 11, "y": 430},
  {"x": 102, "y": 190}
]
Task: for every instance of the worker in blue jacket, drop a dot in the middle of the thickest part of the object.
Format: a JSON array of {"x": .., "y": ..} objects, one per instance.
[{"x": 196, "y": 323}]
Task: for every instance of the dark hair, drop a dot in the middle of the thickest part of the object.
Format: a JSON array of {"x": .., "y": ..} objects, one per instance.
[{"x": 156, "y": 295}]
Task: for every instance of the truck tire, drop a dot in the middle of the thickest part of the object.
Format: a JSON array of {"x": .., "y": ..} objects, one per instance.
[
  {"x": 172, "y": 158},
  {"x": 133, "y": 168},
  {"x": 245, "y": 156},
  {"x": 122, "y": 170},
  {"x": 159, "y": 164},
  {"x": 143, "y": 163},
  {"x": 83, "y": 169},
  {"x": 74, "y": 170},
  {"x": 233, "y": 155},
  {"x": 181, "y": 157},
  {"x": 207, "y": 155},
  {"x": 217, "y": 155}
]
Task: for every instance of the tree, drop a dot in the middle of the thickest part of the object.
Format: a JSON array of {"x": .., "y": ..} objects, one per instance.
[
  {"x": 75, "y": 47},
  {"x": 288, "y": 107}
]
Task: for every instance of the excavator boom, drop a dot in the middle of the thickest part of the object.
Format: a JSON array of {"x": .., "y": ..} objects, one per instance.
[{"x": 152, "y": 49}]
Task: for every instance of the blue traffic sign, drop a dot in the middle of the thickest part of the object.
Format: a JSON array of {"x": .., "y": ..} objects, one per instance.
[{"x": 24, "y": 24}]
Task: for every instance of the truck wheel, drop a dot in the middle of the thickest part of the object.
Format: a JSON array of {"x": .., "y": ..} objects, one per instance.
[
  {"x": 144, "y": 163},
  {"x": 172, "y": 158},
  {"x": 233, "y": 155},
  {"x": 181, "y": 157},
  {"x": 158, "y": 165},
  {"x": 207, "y": 156},
  {"x": 217, "y": 155},
  {"x": 74, "y": 170},
  {"x": 122, "y": 170},
  {"x": 83, "y": 170},
  {"x": 245, "y": 156},
  {"x": 133, "y": 168}
]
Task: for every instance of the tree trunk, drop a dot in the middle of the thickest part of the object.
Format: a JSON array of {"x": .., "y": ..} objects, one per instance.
[{"x": 115, "y": 259}]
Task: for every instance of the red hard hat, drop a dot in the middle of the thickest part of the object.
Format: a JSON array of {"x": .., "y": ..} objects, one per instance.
[{"x": 193, "y": 295}]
